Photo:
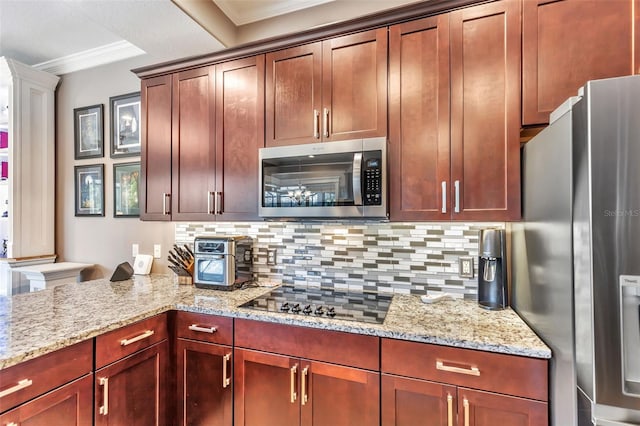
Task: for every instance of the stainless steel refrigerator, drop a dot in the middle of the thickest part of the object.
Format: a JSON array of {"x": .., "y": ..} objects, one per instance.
[{"x": 576, "y": 253}]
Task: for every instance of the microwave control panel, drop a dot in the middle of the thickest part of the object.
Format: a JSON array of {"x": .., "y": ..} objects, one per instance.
[{"x": 372, "y": 179}]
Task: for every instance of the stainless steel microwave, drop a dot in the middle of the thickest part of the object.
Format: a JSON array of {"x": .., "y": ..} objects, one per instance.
[{"x": 324, "y": 180}]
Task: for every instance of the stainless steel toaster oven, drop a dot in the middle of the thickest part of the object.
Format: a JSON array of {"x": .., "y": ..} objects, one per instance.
[{"x": 222, "y": 262}]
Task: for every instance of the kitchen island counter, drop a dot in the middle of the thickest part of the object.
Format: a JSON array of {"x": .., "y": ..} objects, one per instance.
[{"x": 35, "y": 324}]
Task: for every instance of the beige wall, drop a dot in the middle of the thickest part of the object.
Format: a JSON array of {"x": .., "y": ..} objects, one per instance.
[{"x": 104, "y": 241}]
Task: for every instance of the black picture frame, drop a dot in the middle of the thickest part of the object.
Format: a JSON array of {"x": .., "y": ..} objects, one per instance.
[
  {"x": 125, "y": 125},
  {"x": 89, "y": 190},
  {"x": 126, "y": 184},
  {"x": 88, "y": 132}
]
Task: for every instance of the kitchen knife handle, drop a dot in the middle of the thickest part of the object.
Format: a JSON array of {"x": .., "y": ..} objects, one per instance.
[
  {"x": 293, "y": 372},
  {"x": 326, "y": 122},
  {"x": 104, "y": 408},
  {"x": 226, "y": 381},
  {"x": 456, "y": 184},
  {"x": 465, "y": 404},
  {"x": 449, "y": 410},
  {"x": 164, "y": 203},
  {"x": 444, "y": 196},
  {"x": 316, "y": 124}
]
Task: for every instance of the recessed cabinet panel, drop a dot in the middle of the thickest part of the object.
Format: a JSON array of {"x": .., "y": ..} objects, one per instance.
[
  {"x": 419, "y": 119},
  {"x": 489, "y": 409},
  {"x": 565, "y": 43}
]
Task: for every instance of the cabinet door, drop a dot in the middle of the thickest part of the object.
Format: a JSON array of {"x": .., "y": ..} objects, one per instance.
[
  {"x": 485, "y": 105},
  {"x": 239, "y": 136},
  {"x": 419, "y": 119},
  {"x": 67, "y": 405},
  {"x": 204, "y": 384},
  {"x": 565, "y": 43},
  {"x": 155, "y": 156},
  {"x": 293, "y": 95},
  {"x": 193, "y": 167},
  {"x": 354, "y": 84},
  {"x": 266, "y": 389},
  {"x": 409, "y": 402},
  {"x": 333, "y": 395},
  {"x": 477, "y": 408},
  {"x": 132, "y": 391}
]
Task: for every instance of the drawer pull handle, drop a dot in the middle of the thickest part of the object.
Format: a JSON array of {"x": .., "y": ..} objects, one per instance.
[
  {"x": 449, "y": 410},
  {"x": 24, "y": 383},
  {"x": 104, "y": 409},
  {"x": 465, "y": 404},
  {"x": 471, "y": 371},
  {"x": 125, "y": 342},
  {"x": 226, "y": 381},
  {"x": 294, "y": 395},
  {"x": 12, "y": 424},
  {"x": 196, "y": 327},
  {"x": 304, "y": 398}
]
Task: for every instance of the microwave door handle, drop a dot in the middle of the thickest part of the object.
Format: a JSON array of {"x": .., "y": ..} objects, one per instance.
[{"x": 357, "y": 179}]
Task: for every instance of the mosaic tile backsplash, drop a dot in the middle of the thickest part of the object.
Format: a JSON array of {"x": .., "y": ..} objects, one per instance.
[{"x": 404, "y": 258}]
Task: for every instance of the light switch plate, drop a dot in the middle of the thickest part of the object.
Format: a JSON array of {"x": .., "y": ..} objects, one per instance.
[
  {"x": 157, "y": 251},
  {"x": 465, "y": 267}
]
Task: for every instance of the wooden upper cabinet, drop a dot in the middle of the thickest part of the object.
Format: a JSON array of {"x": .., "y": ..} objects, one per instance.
[
  {"x": 239, "y": 136},
  {"x": 155, "y": 182},
  {"x": 565, "y": 43},
  {"x": 328, "y": 91},
  {"x": 485, "y": 107},
  {"x": 419, "y": 119},
  {"x": 193, "y": 168},
  {"x": 293, "y": 94}
]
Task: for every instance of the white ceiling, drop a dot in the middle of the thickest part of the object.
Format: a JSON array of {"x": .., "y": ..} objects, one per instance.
[{"x": 63, "y": 36}]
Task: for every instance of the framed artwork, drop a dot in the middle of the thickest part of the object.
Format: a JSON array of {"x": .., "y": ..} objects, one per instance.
[
  {"x": 88, "y": 132},
  {"x": 125, "y": 125},
  {"x": 126, "y": 180},
  {"x": 89, "y": 183}
]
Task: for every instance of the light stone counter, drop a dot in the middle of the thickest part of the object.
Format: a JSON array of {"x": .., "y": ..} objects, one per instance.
[{"x": 34, "y": 324}]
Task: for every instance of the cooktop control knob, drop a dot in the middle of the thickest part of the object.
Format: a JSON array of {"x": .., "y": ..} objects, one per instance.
[
  {"x": 296, "y": 308},
  {"x": 307, "y": 310},
  {"x": 331, "y": 312},
  {"x": 285, "y": 307},
  {"x": 319, "y": 310}
]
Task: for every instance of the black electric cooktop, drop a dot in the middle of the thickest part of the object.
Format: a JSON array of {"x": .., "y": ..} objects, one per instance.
[{"x": 324, "y": 302}]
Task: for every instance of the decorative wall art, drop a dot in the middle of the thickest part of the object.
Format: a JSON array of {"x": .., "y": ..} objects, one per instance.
[
  {"x": 88, "y": 132},
  {"x": 126, "y": 180},
  {"x": 89, "y": 188},
  {"x": 125, "y": 125}
]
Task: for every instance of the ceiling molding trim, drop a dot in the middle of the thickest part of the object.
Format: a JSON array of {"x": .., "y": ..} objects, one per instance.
[
  {"x": 263, "y": 10},
  {"x": 102, "y": 55}
]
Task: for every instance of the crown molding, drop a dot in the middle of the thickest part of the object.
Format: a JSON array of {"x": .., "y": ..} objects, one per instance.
[
  {"x": 106, "y": 54},
  {"x": 263, "y": 10}
]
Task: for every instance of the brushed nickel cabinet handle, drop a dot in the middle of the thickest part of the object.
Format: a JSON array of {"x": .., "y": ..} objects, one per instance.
[
  {"x": 444, "y": 196},
  {"x": 196, "y": 327},
  {"x": 471, "y": 371},
  {"x": 465, "y": 404},
  {"x": 316, "y": 124},
  {"x": 210, "y": 195},
  {"x": 126, "y": 342},
  {"x": 449, "y": 410},
  {"x": 456, "y": 185},
  {"x": 24, "y": 383},
  {"x": 303, "y": 387},
  {"x": 326, "y": 122},
  {"x": 165, "y": 211},
  {"x": 218, "y": 203},
  {"x": 226, "y": 381},
  {"x": 104, "y": 409},
  {"x": 293, "y": 371}
]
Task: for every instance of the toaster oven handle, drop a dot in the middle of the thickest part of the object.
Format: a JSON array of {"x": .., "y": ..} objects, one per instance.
[{"x": 357, "y": 178}]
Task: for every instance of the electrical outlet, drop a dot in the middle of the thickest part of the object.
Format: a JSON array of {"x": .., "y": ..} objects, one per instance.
[
  {"x": 134, "y": 250},
  {"x": 157, "y": 251},
  {"x": 271, "y": 256},
  {"x": 465, "y": 267}
]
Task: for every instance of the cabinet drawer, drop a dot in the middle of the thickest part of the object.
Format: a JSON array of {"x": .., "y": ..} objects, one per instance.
[
  {"x": 336, "y": 347},
  {"x": 31, "y": 378},
  {"x": 508, "y": 374},
  {"x": 203, "y": 327},
  {"x": 124, "y": 341}
]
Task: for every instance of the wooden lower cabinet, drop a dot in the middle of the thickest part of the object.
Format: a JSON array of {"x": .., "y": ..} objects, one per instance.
[
  {"x": 67, "y": 405},
  {"x": 204, "y": 383},
  {"x": 132, "y": 391},
  {"x": 478, "y": 408},
  {"x": 280, "y": 390}
]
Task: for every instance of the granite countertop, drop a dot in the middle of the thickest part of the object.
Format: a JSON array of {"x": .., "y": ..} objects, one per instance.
[{"x": 37, "y": 323}]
